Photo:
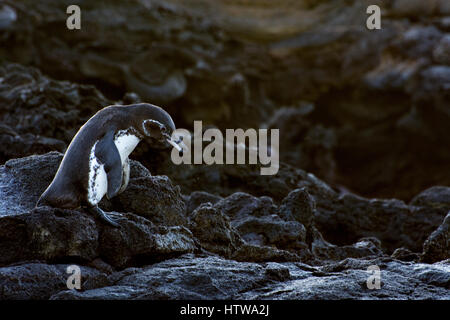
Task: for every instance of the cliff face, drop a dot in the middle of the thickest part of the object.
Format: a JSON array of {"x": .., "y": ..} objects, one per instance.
[{"x": 362, "y": 114}]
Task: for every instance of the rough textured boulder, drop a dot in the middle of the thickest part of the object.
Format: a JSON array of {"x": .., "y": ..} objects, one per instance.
[
  {"x": 155, "y": 198},
  {"x": 194, "y": 277},
  {"x": 364, "y": 248},
  {"x": 257, "y": 222},
  {"x": 258, "y": 253},
  {"x": 437, "y": 198},
  {"x": 345, "y": 219},
  {"x": 197, "y": 198},
  {"x": 39, "y": 281},
  {"x": 48, "y": 234},
  {"x": 212, "y": 228},
  {"x": 54, "y": 235},
  {"x": 437, "y": 246},
  {"x": 40, "y": 114},
  {"x": 23, "y": 180},
  {"x": 139, "y": 242}
]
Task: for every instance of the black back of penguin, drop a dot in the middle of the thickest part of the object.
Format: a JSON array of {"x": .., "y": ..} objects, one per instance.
[{"x": 70, "y": 184}]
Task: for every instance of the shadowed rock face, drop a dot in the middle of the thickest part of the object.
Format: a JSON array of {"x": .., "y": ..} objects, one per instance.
[
  {"x": 437, "y": 246},
  {"x": 48, "y": 234},
  {"x": 241, "y": 228},
  {"x": 40, "y": 114},
  {"x": 51, "y": 234},
  {"x": 215, "y": 278},
  {"x": 358, "y": 108},
  {"x": 39, "y": 281},
  {"x": 365, "y": 111}
]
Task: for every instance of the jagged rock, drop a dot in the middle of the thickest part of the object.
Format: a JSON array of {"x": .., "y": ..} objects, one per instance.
[
  {"x": 54, "y": 234},
  {"x": 187, "y": 277},
  {"x": 404, "y": 254},
  {"x": 224, "y": 180},
  {"x": 155, "y": 198},
  {"x": 257, "y": 253},
  {"x": 344, "y": 220},
  {"x": 15, "y": 145},
  {"x": 257, "y": 222},
  {"x": 437, "y": 198},
  {"x": 22, "y": 181},
  {"x": 419, "y": 41},
  {"x": 44, "y": 113},
  {"x": 39, "y": 281},
  {"x": 436, "y": 79},
  {"x": 212, "y": 228},
  {"x": 272, "y": 230},
  {"x": 138, "y": 241},
  {"x": 298, "y": 206},
  {"x": 305, "y": 144},
  {"x": 437, "y": 246},
  {"x": 48, "y": 234},
  {"x": 197, "y": 277},
  {"x": 240, "y": 205},
  {"x": 60, "y": 235},
  {"x": 399, "y": 280},
  {"x": 255, "y": 238},
  {"x": 364, "y": 248},
  {"x": 196, "y": 198},
  {"x": 277, "y": 272}
]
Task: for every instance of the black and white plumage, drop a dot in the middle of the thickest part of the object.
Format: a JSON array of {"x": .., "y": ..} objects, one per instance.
[{"x": 96, "y": 162}]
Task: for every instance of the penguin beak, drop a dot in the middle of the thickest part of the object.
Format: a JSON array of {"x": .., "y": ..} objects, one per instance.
[
  {"x": 175, "y": 145},
  {"x": 179, "y": 145}
]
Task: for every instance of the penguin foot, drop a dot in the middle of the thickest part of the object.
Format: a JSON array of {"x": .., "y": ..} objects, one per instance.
[{"x": 108, "y": 217}]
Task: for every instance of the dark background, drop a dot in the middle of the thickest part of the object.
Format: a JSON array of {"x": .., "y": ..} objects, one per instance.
[{"x": 366, "y": 111}]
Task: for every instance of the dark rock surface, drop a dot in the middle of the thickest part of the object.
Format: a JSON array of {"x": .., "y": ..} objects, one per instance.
[
  {"x": 437, "y": 246},
  {"x": 214, "y": 231},
  {"x": 51, "y": 234},
  {"x": 48, "y": 234},
  {"x": 241, "y": 228},
  {"x": 39, "y": 114},
  {"x": 39, "y": 281},
  {"x": 348, "y": 217},
  {"x": 190, "y": 277},
  {"x": 363, "y": 118}
]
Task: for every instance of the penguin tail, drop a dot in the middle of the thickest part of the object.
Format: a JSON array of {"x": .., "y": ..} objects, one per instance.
[
  {"x": 63, "y": 201},
  {"x": 42, "y": 202}
]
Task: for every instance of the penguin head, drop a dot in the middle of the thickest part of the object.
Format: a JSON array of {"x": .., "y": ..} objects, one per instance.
[{"x": 156, "y": 126}]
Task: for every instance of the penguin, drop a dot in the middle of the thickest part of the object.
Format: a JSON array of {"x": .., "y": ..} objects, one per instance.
[{"x": 96, "y": 161}]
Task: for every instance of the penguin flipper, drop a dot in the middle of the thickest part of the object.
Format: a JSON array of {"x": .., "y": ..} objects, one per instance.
[{"x": 107, "y": 153}]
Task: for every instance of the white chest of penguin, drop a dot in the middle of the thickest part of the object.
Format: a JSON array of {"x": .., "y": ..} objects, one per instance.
[{"x": 125, "y": 143}]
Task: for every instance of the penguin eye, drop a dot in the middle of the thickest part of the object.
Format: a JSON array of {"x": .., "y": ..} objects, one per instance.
[{"x": 153, "y": 128}]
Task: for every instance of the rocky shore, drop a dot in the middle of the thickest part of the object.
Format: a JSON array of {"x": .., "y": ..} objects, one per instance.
[{"x": 363, "y": 119}]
